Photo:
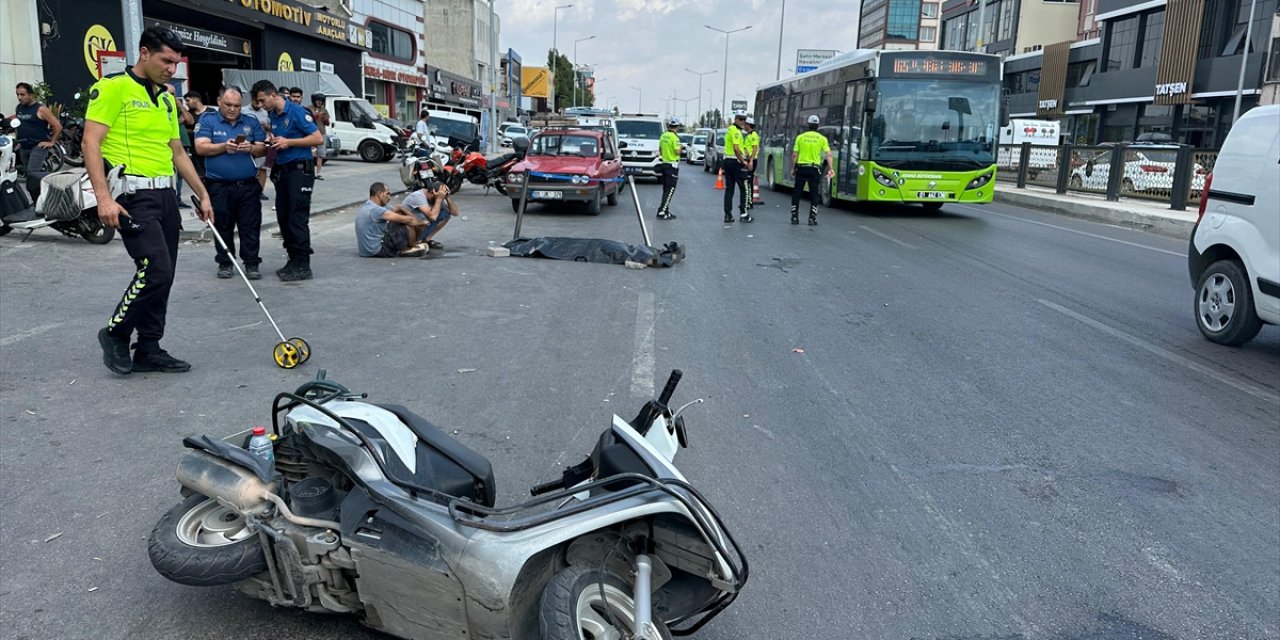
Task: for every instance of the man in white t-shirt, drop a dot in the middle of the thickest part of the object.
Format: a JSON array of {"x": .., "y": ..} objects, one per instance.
[
  {"x": 433, "y": 206},
  {"x": 423, "y": 129}
]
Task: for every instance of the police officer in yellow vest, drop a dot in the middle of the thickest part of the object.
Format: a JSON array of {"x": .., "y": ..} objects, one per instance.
[
  {"x": 807, "y": 156},
  {"x": 669, "y": 167},
  {"x": 734, "y": 165},
  {"x": 133, "y": 121},
  {"x": 751, "y": 142}
]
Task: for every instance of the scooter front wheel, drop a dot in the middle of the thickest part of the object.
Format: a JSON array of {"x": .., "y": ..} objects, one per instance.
[
  {"x": 202, "y": 543},
  {"x": 589, "y": 604}
]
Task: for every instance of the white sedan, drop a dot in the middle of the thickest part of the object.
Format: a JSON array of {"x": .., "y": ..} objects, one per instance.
[
  {"x": 514, "y": 132},
  {"x": 696, "y": 152},
  {"x": 1146, "y": 170}
]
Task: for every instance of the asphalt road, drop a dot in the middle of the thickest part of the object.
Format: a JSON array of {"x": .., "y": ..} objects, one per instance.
[{"x": 984, "y": 423}]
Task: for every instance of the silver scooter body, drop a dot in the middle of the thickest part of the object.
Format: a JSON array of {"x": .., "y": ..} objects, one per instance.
[{"x": 418, "y": 563}]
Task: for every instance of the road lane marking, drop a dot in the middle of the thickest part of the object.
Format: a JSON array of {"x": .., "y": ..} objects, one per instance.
[
  {"x": 1076, "y": 231},
  {"x": 887, "y": 237},
  {"x": 1253, "y": 390},
  {"x": 642, "y": 362},
  {"x": 29, "y": 333}
]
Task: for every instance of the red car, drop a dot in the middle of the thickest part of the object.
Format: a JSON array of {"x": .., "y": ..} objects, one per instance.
[{"x": 568, "y": 165}]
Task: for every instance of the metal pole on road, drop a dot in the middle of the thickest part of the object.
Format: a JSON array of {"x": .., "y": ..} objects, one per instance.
[
  {"x": 575, "y": 67},
  {"x": 132, "y": 10},
  {"x": 639, "y": 100},
  {"x": 724, "y": 90},
  {"x": 1244, "y": 59},
  {"x": 777, "y": 75},
  {"x": 555, "y": 56},
  {"x": 699, "y": 74}
]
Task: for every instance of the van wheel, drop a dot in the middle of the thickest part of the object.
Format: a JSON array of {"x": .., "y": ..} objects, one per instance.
[
  {"x": 371, "y": 151},
  {"x": 1224, "y": 304}
]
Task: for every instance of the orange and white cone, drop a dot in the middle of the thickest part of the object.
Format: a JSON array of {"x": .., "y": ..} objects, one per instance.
[
  {"x": 755, "y": 190},
  {"x": 720, "y": 179}
]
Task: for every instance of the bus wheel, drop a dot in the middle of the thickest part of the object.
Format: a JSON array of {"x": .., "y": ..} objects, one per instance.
[{"x": 774, "y": 183}]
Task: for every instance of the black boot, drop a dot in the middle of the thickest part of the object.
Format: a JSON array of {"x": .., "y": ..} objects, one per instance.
[
  {"x": 115, "y": 352},
  {"x": 285, "y": 273},
  {"x": 728, "y": 217},
  {"x": 301, "y": 270},
  {"x": 795, "y": 214}
]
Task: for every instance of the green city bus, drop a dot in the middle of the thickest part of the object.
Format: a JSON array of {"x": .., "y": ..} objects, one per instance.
[{"x": 904, "y": 126}]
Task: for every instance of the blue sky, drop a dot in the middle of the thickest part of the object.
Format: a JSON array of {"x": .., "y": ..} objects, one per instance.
[{"x": 649, "y": 43}]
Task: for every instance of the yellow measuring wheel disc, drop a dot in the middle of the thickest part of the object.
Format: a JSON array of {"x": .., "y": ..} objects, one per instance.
[
  {"x": 304, "y": 349},
  {"x": 286, "y": 355}
]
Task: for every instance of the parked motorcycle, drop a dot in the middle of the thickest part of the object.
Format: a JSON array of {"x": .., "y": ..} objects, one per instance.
[
  {"x": 371, "y": 510},
  {"x": 67, "y": 203},
  {"x": 68, "y": 147},
  {"x": 422, "y": 164},
  {"x": 490, "y": 172}
]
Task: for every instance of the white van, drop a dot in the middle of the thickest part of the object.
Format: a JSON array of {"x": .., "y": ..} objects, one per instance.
[
  {"x": 447, "y": 124},
  {"x": 1234, "y": 256},
  {"x": 1043, "y": 136},
  {"x": 639, "y": 133},
  {"x": 354, "y": 121}
]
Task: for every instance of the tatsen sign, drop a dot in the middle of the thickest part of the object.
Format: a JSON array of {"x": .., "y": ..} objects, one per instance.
[{"x": 1171, "y": 89}]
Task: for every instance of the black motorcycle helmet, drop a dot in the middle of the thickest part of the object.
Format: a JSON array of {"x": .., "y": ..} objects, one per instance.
[{"x": 317, "y": 97}]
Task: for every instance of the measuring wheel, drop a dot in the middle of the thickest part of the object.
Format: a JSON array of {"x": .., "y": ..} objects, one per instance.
[
  {"x": 287, "y": 355},
  {"x": 304, "y": 349}
]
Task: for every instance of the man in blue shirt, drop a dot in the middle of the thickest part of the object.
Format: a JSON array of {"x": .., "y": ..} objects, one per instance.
[
  {"x": 229, "y": 141},
  {"x": 293, "y": 134},
  {"x": 383, "y": 232}
]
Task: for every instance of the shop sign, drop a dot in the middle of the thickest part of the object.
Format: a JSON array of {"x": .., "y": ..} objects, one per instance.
[
  {"x": 306, "y": 64},
  {"x": 1171, "y": 89},
  {"x": 210, "y": 40},
  {"x": 1048, "y": 105},
  {"x": 382, "y": 73},
  {"x": 295, "y": 16},
  {"x": 326, "y": 67},
  {"x": 96, "y": 40},
  {"x": 446, "y": 87}
]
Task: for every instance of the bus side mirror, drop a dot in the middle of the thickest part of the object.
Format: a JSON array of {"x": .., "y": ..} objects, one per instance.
[{"x": 1004, "y": 112}]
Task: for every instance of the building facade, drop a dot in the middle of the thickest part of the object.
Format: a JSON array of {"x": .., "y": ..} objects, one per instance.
[
  {"x": 1012, "y": 26},
  {"x": 1162, "y": 69},
  {"x": 449, "y": 32},
  {"x": 1271, "y": 79},
  {"x": 395, "y": 79},
  {"x": 899, "y": 24}
]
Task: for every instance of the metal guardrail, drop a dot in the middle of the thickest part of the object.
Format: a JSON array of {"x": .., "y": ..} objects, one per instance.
[{"x": 1173, "y": 174}]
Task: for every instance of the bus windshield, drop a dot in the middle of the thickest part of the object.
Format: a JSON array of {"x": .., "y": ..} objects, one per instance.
[{"x": 935, "y": 124}]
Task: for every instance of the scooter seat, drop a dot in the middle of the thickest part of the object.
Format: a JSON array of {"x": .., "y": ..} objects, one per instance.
[
  {"x": 499, "y": 159},
  {"x": 476, "y": 465}
]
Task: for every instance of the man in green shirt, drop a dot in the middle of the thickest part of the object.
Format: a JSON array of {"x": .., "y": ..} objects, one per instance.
[
  {"x": 808, "y": 153},
  {"x": 669, "y": 167},
  {"x": 133, "y": 121},
  {"x": 734, "y": 165}
]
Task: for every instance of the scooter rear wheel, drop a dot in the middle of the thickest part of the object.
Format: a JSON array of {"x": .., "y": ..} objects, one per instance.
[
  {"x": 201, "y": 543},
  {"x": 589, "y": 604}
]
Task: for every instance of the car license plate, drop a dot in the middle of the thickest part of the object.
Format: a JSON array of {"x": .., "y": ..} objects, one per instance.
[
  {"x": 548, "y": 195},
  {"x": 932, "y": 195},
  {"x": 633, "y": 170}
]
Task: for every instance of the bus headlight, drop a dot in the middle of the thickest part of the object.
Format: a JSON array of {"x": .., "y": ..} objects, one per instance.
[
  {"x": 980, "y": 181},
  {"x": 884, "y": 179}
]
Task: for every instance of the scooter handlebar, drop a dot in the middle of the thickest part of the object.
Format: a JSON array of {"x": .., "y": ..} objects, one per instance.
[
  {"x": 670, "y": 389},
  {"x": 546, "y": 487}
]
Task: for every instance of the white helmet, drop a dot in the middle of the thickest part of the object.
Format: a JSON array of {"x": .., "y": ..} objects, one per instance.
[
  {"x": 814, "y": 120},
  {"x": 673, "y": 122}
]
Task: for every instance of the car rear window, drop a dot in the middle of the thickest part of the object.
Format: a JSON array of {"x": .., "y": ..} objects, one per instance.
[
  {"x": 700, "y": 140},
  {"x": 643, "y": 129},
  {"x": 566, "y": 145}
]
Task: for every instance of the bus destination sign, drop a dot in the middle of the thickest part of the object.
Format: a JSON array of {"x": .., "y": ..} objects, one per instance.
[{"x": 943, "y": 67}]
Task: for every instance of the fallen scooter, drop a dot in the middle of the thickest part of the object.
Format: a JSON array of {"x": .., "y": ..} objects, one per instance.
[{"x": 371, "y": 510}]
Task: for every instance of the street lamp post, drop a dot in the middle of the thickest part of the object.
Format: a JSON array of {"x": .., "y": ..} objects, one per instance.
[
  {"x": 700, "y": 74},
  {"x": 778, "y": 74},
  {"x": 1244, "y": 58},
  {"x": 555, "y": 48},
  {"x": 639, "y": 100},
  {"x": 724, "y": 90},
  {"x": 575, "y": 67}
]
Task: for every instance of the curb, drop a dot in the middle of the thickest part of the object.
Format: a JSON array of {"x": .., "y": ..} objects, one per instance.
[{"x": 1085, "y": 210}]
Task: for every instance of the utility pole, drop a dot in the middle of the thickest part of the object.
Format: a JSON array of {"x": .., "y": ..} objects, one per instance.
[
  {"x": 700, "y": 74},
  {"x": 493, "y": 79},
  {"x": 555, "y": 55},
  {"x": 575, "y": 67},
  {"x": 724, "y": 90},
  {"x": 639, "y": 100},
  {"x": 777, "y": 75},
  {"x": 132, "y": 10},
  {"x": 982, "y": 26},
  {"x": 1244, "y": 58}
]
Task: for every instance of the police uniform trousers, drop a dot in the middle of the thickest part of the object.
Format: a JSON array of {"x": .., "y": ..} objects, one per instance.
[
  {"x": 734, "y": 180},
  {"x": 668, "y": 175},
  {"x": 807, "y": 174},
  {"x": 150, "y": 234},
  {"x": 236, "y": 205},
  {"x": 294, "y": 182}
]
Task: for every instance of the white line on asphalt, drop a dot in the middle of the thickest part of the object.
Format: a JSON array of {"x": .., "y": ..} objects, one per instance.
[
  {"x": 1250, "y": 389},
  {"x": 1076, "y": 231},
  {"x": 29, "y": 333},
  {"x": 887, "y": 237},
  {"x": 642, "y": 364}
]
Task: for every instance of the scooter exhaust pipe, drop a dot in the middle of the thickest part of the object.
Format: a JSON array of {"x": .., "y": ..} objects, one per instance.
[{"x": 216, "y": 478}]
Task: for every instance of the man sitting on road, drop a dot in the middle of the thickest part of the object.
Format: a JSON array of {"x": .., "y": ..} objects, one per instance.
[
  {"x": 387, "y": 233},
  {"x": 433, "y": 205}
]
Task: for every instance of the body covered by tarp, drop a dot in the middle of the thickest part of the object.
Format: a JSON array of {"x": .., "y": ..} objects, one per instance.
[
  {"x": 309, "y": 81},
  {"x": 596, "y": 250}
]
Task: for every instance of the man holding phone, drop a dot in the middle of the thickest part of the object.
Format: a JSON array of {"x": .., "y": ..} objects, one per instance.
[{"x": 229, "y": 141}]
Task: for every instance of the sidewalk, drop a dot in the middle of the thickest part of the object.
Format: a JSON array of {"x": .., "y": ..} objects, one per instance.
[{"x": 1131, "y": 212}]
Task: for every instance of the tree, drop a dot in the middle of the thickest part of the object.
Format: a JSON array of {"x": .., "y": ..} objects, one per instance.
[
  {"x": 711, "y": 119},
  {"x": 564, "y": 76}
]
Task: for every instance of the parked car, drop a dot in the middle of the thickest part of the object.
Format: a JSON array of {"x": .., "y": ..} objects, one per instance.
[
  {"x": 512, "y": 132},
  {"x": 686, "y": 141},
  {"x": 714, "y": 151},
  {"x": 576, "y": 165},
  {"x": 1234, "y": 257},
  {"x": 1148, "y": 168},
  {"x": 697, "y": 149}
]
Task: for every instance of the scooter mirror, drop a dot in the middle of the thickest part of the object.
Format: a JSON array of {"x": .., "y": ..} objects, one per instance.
[{"x": 15, "y": 123}]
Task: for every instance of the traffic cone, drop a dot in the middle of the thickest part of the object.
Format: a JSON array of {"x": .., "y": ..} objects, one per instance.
[
  {"x": 720, "y": 179},
  {"x": 755, "y": 190}
]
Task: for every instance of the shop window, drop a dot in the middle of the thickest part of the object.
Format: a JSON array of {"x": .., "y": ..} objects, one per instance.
[
  {"x": 993, "y": 15},
  {"x": 929, "y": 10},
  {"x": 904, "y": 20},
  {"x": 928, "y": 34},
  {"x": 1079, "y": 73},
  {"x": 1006, "y": 19},
  {"x": 1273, "y": 62},
  {"x": 391, "y": 42},
  {"x": 1152, "y": 36},
  {"x": 1122, "y": 43}
]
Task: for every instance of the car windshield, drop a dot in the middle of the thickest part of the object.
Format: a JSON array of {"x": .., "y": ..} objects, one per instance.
[
  {"x": 566, "y": 145},
  {"x": 686, "y": 138},
  {"x": 365, "y": 109},
  {"x": 642, "y": 129},
  {"x": 444, "y": 128},
  {"x": 935, "y": 124},
  {"x": 700, "y": 140},
  {"x": 719, "y": 139}
]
